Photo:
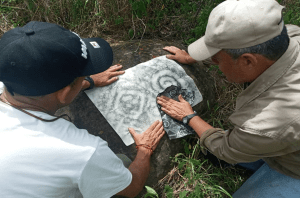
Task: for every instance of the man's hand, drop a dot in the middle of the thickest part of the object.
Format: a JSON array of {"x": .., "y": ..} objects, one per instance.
[
  {"x": 180, "y": 55},
  {"x": 177, "y": 110},
  {"x": 107, "y": 77},
  {"x": 150, "y": 137},
  {"x": 140, "y": 167}
]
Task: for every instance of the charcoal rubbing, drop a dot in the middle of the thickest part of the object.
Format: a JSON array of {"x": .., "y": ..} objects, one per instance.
[{"x": 174, "y": 128}]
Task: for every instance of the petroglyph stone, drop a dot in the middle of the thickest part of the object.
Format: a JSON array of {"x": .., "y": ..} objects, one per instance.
[{"x": 85, "y": 115}]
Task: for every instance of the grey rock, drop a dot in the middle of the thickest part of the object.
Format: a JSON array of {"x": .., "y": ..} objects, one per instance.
[{"x": 85, "y": 115}]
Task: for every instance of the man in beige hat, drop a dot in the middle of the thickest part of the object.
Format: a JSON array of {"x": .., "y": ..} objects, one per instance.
[{"x": 249, "y": 42}]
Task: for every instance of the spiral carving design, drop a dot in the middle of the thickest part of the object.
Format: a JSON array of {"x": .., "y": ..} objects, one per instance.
[{"x": 131, "y": 101}]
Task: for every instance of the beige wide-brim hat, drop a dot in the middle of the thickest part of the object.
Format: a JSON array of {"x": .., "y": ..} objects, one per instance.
[{"x": 236, "y": 24}]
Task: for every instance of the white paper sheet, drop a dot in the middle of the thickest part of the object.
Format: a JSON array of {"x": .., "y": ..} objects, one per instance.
[{"x": 131, "y": 101}]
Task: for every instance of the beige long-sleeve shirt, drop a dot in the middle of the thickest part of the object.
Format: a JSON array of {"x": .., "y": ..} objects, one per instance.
[{"x": 267, "y": 117}]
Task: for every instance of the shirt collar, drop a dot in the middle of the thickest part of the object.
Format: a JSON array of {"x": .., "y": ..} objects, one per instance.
[{"x": 270, "y": 76}]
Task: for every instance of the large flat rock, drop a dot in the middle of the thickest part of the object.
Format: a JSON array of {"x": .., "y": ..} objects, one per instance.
[{"x": 85, "y": 115}]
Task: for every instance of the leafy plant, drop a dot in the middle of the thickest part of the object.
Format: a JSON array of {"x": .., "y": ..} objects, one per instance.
[
  {"x": 139, "y": 7},
  {"x": 292, "y": 15},
  {"x": 168, "y": 191},
  {"x": 198, "y": 175},
  {"x": 119, "y": 20},
  {"x": 151, "y": 192}
]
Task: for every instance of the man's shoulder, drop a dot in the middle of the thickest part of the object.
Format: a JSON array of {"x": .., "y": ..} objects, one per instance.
[
  {"x": 272, "y": 112},
  {"x": 61, "y": 130}
]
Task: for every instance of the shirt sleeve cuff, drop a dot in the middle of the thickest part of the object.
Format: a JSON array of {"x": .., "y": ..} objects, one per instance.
[{"x": 205, "y": 135}]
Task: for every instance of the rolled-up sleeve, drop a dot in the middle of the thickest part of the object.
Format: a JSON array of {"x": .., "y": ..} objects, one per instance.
[
  {"x": 293, "y": 30},
  {"x": 238, "y": 145}
]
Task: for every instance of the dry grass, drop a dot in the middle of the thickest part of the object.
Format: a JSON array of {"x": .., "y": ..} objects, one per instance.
[
  {"x": 165, "y": 19},
  {"x": 88, "y": 18},
  {"x": 205, "y": 177},
  {"x": 226, "y": 94}
]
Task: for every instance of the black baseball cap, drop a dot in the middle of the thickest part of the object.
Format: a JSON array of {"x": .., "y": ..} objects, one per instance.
[{"x": 41, "y": 58}]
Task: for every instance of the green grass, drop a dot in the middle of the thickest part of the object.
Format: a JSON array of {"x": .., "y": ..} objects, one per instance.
[
  {"x": 291, "y": 15},
  {"x": 126, "y": 19},
  {"x": 194, "y": 177},
  {"x": 168, "y": 19}
]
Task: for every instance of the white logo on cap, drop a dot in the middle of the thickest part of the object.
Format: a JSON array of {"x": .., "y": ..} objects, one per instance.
[
  {"x": 94, "y": 44},
  {"x": 83, "y": 47}
]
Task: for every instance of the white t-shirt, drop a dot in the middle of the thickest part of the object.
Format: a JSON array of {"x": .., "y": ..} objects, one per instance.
[
  {"x": 1, "y": 87},
  {"x": 55, "y": 159}
]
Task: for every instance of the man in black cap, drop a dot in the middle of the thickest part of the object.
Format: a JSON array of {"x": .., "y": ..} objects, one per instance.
[{"x": 43, "y": 67}]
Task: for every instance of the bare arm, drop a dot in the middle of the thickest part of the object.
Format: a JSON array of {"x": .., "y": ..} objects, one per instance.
[{"x": 140, "y": 167}]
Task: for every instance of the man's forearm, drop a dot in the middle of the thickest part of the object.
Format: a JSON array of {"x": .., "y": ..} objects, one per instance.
[
  {"x": 199, "y": 125},
  {"x": 139, "y": 169},
  {"x": 85, "y": 85}
]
